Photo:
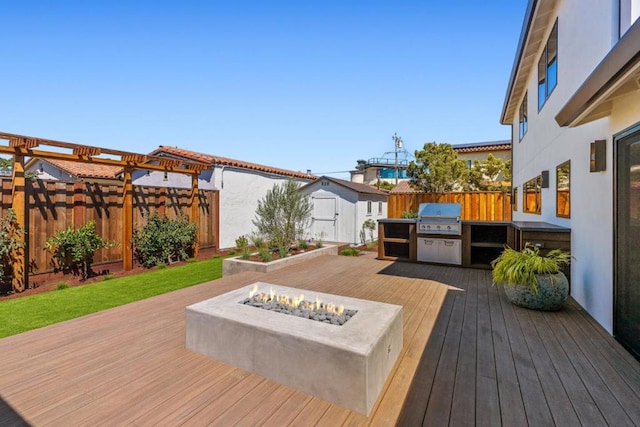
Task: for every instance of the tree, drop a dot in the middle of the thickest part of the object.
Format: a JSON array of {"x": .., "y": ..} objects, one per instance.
[
  {"x": 6, "y": 164},
  {"x": 437, "y": 169},
  {"x": 487, "y": 175},
  {"x": 283, "y": 215}
]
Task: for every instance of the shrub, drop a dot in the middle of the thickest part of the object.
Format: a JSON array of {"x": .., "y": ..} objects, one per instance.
[
  {"x": 369, "y": 225},
  {"x": 161, "y": 266},
  {"x": 350, "y": 252},
  {"x": 409, "y": 214},
  {"x": 242, "y": 244},
  {"x": 108, "y": 277},
  {"x": 283, "y": 214},
  {"x": 73, "y": 250},
  {"x": 265, "y": 254},
  {"x": 162, "y": 239},
  {"x": 11, "y": 242},
  {"x": 257, "y": 240},
  {"x": 62, "y": 285},
  {"x": 302, "y": 244}
]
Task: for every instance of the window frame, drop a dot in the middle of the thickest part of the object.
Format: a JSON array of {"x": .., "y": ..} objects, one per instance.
[
  {"x": 514, "y": 199},
  {"x": 536, "y": 182},
  {"x": 523, "y": 118},
  {"x": 545, "y": 63},
  {"x": 562, "y": 214},
  {"x": 625, "y": 16},
  {"x": 379, "y": 208},
  {"x": 369, "y": 207}
]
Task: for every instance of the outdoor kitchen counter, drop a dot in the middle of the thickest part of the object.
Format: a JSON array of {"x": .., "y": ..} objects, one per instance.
[
  {"x": 539, "y": 226},
  {"x": 482, "y": 241}
]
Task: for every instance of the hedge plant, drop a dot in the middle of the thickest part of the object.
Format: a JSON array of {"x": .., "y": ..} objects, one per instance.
[
  {"x": 163, "y": 240},
  {"x": 73, "y": 250}
]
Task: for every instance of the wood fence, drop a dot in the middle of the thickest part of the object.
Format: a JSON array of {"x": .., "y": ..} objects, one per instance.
[
  {"x": 476, "y": 205},
  {"x": 53, "y": 206}
]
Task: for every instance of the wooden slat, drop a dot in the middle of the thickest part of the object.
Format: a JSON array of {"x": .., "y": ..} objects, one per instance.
[{"x": 469, "y": 357}]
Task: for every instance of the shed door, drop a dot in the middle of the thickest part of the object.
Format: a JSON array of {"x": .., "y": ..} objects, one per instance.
[
  {"x": 626, "y": 326},
  {"x": 325, "y": 218}
]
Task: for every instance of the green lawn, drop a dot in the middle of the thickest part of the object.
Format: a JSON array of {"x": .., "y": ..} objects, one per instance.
[{"x": 32, "y": 312}]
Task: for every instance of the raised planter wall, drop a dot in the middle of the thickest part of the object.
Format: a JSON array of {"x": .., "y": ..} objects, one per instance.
[{"x": 232, "y": 266}]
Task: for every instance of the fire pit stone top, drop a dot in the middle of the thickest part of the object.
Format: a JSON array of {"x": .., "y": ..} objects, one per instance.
[{"x": 357, "y": 335}]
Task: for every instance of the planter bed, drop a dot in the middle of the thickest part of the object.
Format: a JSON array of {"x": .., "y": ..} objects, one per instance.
[{"x": 236, "y": 265}]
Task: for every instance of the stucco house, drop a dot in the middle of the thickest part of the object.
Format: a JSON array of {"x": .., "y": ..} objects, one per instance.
[
  {"x": 239, "y": 185},
  {"x": 480, "y": 150},
  {"x": 573, "y": 101},
  {"x": 341, "y": 207}
]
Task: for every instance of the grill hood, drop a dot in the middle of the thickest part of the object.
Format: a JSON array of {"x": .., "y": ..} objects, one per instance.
[{"x": 440, "y": 210}]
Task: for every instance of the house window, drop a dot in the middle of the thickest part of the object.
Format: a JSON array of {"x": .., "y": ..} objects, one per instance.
[
  {"x": 369, "y": 207},
  {"x": 531, "y": 196},
  {"x": 380, "y": 208},
  {"x": 524, "y": 120},
  {"x": 563, "y": 190},
  {"x": 548, "y": 68},
  {"x": 514, "y": 198},
  {"x": 469, "y": 164},
  {"x": 324, "y": 183},
  {"x": 629, "y": 13}
]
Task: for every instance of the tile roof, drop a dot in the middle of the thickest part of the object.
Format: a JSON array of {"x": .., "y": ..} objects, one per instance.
[
  {"x": 224, "y": 161},
  {"x": 355, "y": 186},
  {"x": 84, "y": 170},
  {"x": 403, "y": 187},
  {"x": 477, "y": 147}
]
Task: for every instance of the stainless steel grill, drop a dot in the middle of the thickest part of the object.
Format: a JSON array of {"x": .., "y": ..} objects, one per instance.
[{"x": 439, "y": 218}]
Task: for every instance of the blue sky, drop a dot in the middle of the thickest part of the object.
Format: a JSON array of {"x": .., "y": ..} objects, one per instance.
[{"x": 299, "y": 85}]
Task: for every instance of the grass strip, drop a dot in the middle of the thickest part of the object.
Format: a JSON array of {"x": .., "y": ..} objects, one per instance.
[{"x": 32, "y": 312}]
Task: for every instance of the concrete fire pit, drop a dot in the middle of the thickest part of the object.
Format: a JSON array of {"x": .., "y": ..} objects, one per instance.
[{"x": 343, "y": 364}]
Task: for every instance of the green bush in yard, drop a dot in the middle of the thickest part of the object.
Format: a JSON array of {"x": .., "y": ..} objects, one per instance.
[
  {"x": 73, "y": 250},
  {"x": 162, "y": 239}
]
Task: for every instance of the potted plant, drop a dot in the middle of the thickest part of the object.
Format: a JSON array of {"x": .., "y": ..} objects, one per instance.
[
  {"x": 11, "y": 242},
  {"x": 533, "y": 280}
]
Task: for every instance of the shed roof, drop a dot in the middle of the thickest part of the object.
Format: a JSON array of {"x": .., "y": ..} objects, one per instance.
[
  {"x": 355, "y": 186},
  {"x": 224, "y": 161}
]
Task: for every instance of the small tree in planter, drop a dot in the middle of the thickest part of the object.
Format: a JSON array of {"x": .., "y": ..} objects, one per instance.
[
  {"x": 533, "y": 280},
  {"x": 11, "y": 243},
  {"x": 282, "y": 215},
  {"x": 73, "y": 250}
]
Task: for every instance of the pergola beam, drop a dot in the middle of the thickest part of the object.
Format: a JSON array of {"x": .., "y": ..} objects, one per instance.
[{"x": 21, "y": 146}]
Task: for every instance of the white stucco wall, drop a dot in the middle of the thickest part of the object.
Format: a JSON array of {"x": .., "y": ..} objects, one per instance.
[
  {"x": 240, "y": 190},
  {"x": 375, "y": 216},
  {"x": 585, "y": 29}
]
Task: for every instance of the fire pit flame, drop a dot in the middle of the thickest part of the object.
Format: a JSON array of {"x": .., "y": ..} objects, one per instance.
[{"x": 317, "y": 310}]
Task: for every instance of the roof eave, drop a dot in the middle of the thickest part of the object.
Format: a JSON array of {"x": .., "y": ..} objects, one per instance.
[{"x": 616, "y": 75}]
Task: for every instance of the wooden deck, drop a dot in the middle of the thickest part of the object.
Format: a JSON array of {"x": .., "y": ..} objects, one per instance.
[{"x": 469, "y": 358}]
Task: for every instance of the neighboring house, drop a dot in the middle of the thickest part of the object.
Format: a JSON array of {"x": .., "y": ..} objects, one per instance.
[
  {"x": 383, "y": 169},
  {"x": 240, "y": 186},
  {"x": 68, "y": 171},
  {"x": 573, "y": 102},
  {"x": 341, "y": 207},
  {"x": 481, "y": 150}
]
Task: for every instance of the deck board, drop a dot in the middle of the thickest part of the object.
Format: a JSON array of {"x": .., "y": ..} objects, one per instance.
[{"x": 469, "y": 357}]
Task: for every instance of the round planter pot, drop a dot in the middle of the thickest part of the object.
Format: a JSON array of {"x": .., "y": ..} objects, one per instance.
[{"x": 553, "y": 290}]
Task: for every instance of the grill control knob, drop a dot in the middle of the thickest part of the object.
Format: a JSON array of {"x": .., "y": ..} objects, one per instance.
[
  {"x": 438, "y": 227},
  {"x": 448, "y": 227}
]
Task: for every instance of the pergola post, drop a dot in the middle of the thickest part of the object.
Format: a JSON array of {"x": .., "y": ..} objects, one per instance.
[
  {"x": 19, "y": 205},
  {"x": 127, "y": 221},
  {"x": 195, "y": 211}
]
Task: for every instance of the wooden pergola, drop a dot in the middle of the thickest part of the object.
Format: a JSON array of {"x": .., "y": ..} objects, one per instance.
[{"x": 21, "y": 146}]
